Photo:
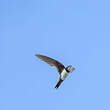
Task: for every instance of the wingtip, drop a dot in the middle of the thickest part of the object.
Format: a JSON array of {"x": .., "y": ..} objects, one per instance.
[
  {"x": 56, "y": 88},
  {"x": 37, "y": 55}
]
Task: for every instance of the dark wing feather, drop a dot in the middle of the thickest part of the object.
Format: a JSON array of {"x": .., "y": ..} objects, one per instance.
[
  {"x": 59, "y": 83},
  {"x": 52, "y": 62}
]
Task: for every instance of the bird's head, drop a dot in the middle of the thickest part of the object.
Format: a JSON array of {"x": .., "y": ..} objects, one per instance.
[{"x": 70, "y": 68}]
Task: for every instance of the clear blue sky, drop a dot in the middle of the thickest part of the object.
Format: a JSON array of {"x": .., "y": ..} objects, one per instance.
[{"x": 75, "y": 32}]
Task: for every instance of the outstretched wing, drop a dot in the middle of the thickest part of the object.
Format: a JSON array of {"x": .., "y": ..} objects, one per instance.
[
  {"x": 59, "y": 83},
  {"x": 52, "y": 62}
]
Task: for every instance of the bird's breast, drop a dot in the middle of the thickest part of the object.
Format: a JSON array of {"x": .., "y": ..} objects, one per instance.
[{"x": 64, "y": 74}]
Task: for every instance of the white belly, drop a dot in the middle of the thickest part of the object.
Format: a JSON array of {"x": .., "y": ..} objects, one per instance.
[{"x": 64, "y": 74}]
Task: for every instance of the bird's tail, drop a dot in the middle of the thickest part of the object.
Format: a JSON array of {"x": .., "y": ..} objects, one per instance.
[{"x": 58, "y": 84}]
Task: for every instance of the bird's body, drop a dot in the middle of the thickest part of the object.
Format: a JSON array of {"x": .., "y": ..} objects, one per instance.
[
  {"x": 63, "y": 76},
  {"x": 63, "y": 72}
]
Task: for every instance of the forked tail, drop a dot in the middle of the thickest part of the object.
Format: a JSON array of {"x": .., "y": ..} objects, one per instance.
[{"x": 58, "y": 84}]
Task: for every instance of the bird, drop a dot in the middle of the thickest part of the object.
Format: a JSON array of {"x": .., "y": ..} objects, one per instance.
[{"x": 62, "y": 70}]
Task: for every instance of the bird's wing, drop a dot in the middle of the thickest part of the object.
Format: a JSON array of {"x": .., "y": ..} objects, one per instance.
[
  {"x": 52, "y": 62},
  {"x": 59, "y": 83}
]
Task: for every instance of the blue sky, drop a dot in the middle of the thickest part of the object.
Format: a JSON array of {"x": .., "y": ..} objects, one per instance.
[{"x": 74, "y": 32}]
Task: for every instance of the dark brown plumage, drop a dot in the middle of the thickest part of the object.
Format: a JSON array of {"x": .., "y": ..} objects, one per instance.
[
  {"x": 59, "y": 83},
  {"x": 52, "y": 62}
]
